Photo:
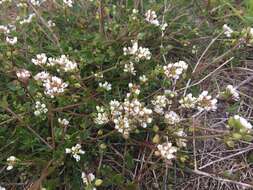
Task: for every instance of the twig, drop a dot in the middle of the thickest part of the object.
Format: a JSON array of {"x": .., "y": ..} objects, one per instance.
[
  {"x": 28, "y": 127},
  {"x": 227, "y": 157},
  {"x": 198, "y": 62},
  {"x": 219, "y": 178},
  {"x": 203, "y": 79},
  {"x": 245, "y": 82}
]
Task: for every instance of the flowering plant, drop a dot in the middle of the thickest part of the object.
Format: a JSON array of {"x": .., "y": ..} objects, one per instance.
[{"x": 106, "y": 94}]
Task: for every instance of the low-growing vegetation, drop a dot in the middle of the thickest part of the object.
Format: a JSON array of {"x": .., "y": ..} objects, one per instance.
[{"x": 126, "y": 94}]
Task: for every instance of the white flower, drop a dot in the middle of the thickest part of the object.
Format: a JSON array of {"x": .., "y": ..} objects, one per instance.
[
  {"x": 160, "y": 102},
  {"x": 11, "y": 41},
  {"x": 129, "y": 68},
  {"x": 42, "y": 76},
  {"x": 163, "y": 26},
  {"x": 175, "y": 70},
  {"x": 233, "y": 92},
  {"x": 99, "y": 75},
  {"x": 75, "y": 152},
  {"x": 11, "y": 161},
  {"x": 63, "y": 62},
  {"x": 63, "y": 121},
  {"x": 135, "y": 11},
  {"x": 107, "y": 86},
  {"x": 181, "y": 142},
  {"x": 135, "y": 89},
  {"x": 23, "y": 74},
  {"x": 167, "y": 151},
  {"x": 129, "y": 114},
  {"x": 41, "y": 59},
  {"x": 172, "y": 118},
  {"x": 88, "y": 178},
  {"x": 21, "y": 5},
  {"x": 68, "y": 3},
  {"x": 143, "y": 79},
  {"x": 102, "y": 116},
  {"x": 4, "y": 29},
  {"x": 243, "y": 122},
  {"x": 54, "y": 86},
  {"x": 40, "y": 108},
  {"x": 139, "y": 53},
  {"x": 134, "y": 14},
  {"x": 28, "y": 19},
  {"x": 50, "y": 23},
  {"x": 151, "y": 17},
  {"x": 227, "y": 30},
  {"x": 36, "y": 2},
  {"x": 205, "y": 102},
  {"x": 188, "y": 101},
  {"x": 170, "y": 93}
]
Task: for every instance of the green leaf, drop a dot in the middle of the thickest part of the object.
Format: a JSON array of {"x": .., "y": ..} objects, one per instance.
[{"x": 4, "y": 102}]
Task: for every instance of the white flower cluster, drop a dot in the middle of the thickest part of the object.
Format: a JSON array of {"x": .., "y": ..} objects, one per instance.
[
  {"x": 101, "y": 116},
  {"x": 99, "y": 75},
  {"x": 106, "y": 86},
  {"x": 28, "y": 19},
  {"x": 232, "y": 92},
  {"x": 50, "y": 24},
  {"x": 129, "y": 68},
  {"x": 42, "y": 76},
  {"x": 11, "y": 41},
  {"x": 129, "y": 114},
  {"x": 139, "y": 53},
  {"x": 160, "y": 102},
  {"x": 188, "y": 101},
  {"x": 54, "y": 86},
  {"x": 169, "y": 93},
  {"x": 134, "y": 89},
  {"x": 143, "y": 79},
  {"x": 75, "y": 152},
  {"x": 151, "y": 17},
  {"x": 174, "y": 70},
  {"x": 4, "y": 29},
  {"x": 227, "y": 30},
  {"x": 172, "y": 118},
  {"x": 68, "y": 3},
  {"x": 40, "y": 108},
  {"x": 134, "y": 14},
  {"x": 36, "y": 2},
  {"x": 11, "y": 162},
  {"x": 63, "y": 121},
  {"x": 205, "y": 102},
  {"x": 63, "y": 62},
  {"x": 167, "y": 151},
  {"x": 163, "y": 26},
  {"x": 22, "y": 5},
  {"x": 247, "y": 125},
  {"x": 88, "y": 178},
  {"x": 23, "y": 74},
  {"x": 181, "y": 142},
  {"x": 41, "y": 59}
]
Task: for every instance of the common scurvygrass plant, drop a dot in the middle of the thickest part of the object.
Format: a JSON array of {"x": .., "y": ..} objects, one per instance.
[{"x": 86, "y": 83}]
